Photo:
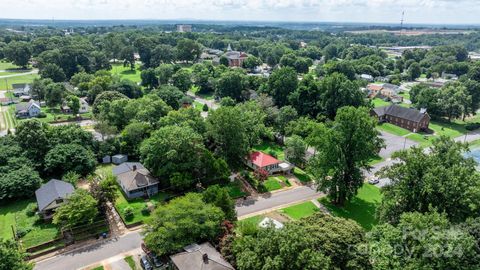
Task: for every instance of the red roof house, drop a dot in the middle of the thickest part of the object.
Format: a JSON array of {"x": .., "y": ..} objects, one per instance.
[{"x": 259, "y": 160}]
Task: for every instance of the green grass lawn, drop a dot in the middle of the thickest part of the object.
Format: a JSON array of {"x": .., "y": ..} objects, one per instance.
[
  {"x": 361, "y": 208},
  {"x": 253, "y": 220},
  {"x": 405, "y": 95},
  {"x": 390, "y": 128},
  {"x": 300, "y": 210},
  {"x": 27, "y": 78},
  {"x": 137, "y": 205},
  {"x": 375, "y": 160},
  {"x": 126, "y": 72},
  {"x": 235, "y": 190},
  {"x": 131, "y": 262},
  {"x": 271, "y": 148},
  {"x": 99, "y": 268},
  {"x": 302, "y": 175},
  {"x": 377, "y": 102},
  {"x": 7, "y": 65},
  {"x": 271, "y": 184},
  {"x": 198, "y": 106},
  {"x": 15, "y": 214},
  {"x": 451, "y": 130}
]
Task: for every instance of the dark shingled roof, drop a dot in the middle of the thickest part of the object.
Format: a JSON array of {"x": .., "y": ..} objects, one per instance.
[
  {"x": 133, "y": 175},
  {"x": 200, "y": 257},
  {"x": 52, "y": 190},
  {"x": 401, "y": 112}
]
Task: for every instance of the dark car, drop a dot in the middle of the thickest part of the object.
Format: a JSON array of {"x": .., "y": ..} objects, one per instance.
[
  {"x": 145, "y": 263},
  {"x": 155, "y": 260}
]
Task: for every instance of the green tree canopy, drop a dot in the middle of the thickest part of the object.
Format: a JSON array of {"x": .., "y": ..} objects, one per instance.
[{"x": 79, "y": 209}]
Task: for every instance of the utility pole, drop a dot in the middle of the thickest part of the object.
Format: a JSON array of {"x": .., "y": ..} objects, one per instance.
[{"x": 401, "y": 22}]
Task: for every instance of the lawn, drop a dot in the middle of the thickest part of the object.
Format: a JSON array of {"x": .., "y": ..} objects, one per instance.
[
  {"x": 375, "y": 160},
  {"x": 126, "y": 72},
  {"x": 99, "y": 268},
  {"x": 405, "y": 95},
  {"x": 195, "y": 90},
  {"x": 235, "y": 189},
  {"x": 15, "y": 214},
  {"x": 451, "y": 130},
  {"x": 302, "y": 175},
  {"x": 300, "y": 210},
  {"x": 131, "y": 262},
  {"x": 7, "y": 65},
  {"x": 104, "y": 169},
  {"x": 361, "y": 208},
  {"x": 392, "y": 129},
  {"x": 271, "y": 184},
  {"x": 27, "y": 78},
  {"x": 377, "y": 102},
  {"x": 271, "y": 148},
  {"x": 253, "y": 220},
  {"x": 198, "y": 106},
  {"x": 137, "y": 205}
]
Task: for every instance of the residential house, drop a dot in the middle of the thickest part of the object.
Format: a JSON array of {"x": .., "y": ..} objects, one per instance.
[
  {"x": 385, "y": 91},
  {"x": 235, "y": 58},
  {"x": 259, "y": 160},
  {"x": 21, "y": 89},
  {"x": 408, "y": 118},
  {"x": 27, "y": 109},
  {"x": 203, "y": 256},
  {"x": 135, "y": 180},
  {"x": 52, "y": 195}
]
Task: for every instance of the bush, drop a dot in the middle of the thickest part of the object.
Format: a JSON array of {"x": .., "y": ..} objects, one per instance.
[
  {"x": 205, "y": 108},
  {"x": 128, "y": 213},
  {"x": 31, "y": 209},
  {"x": 472, "y": 126},
  {"x": 272, "y": 153},
  {"x": 146, "y": 211},
  {"x": 42, "y": 115},
  {"x": 21, "y": 232}
]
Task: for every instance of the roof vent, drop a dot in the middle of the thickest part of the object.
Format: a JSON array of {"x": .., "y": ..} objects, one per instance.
[{"x": 134, "y": 167}]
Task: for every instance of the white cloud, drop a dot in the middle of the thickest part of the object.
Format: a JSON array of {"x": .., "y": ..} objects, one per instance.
[{"x": 423, "y": 11}]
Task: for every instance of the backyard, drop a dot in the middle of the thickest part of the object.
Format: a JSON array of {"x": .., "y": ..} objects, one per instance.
[
  {"x": 377, "y": 102},
  {"x": 139, "y": 206},
  {"x": 360, "y": 208},
  {"x": 271, "y": 148},
  {"x": 19, "y": 214}
]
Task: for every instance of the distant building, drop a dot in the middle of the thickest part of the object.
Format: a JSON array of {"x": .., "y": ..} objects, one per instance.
[
  {"x": 119, "y": 159},
  {"x": 203, "y": 256},
  {"x": 135, "y": 180},
  {"x": 84, "y": 107},
  {"x": 408, "y": 118},
  {"x": 384, "y": 91},
  {"x": 27, "y": 109},
  {"x": 52, "y": 195},
  {"x": 235, "y": 58},
  {"x": 183, "y": 28},
  {"x": 21, "y": 89},
  {"x": 366, "y": 77}
]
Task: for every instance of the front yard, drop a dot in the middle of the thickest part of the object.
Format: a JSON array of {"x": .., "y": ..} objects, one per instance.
[
  {"x": 235, "y": 189},
  {"x": 140, "y": 207},
  {"x": 301, "y": 210},
  {"x": 19, "y": 214},
  {"x": 361, "y": 208}
]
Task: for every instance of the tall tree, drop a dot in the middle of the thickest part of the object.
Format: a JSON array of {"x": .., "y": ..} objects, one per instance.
[
  {"x": 443, "y": 179},
  {"x": 19, "y": 52},
  {"x": 281, "y": 84},
  {"x": 184, "y": 220},
  {"x": 343, "y": 150},
  {"x": 11, "y": 256},
  {"x": 79, "y": 209},
  {"x": 187, "y": 50}
]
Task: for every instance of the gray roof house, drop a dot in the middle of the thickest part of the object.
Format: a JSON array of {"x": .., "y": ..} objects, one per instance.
[
  {"x": 27, "y": 109},
  {"x": 200, "y": 257},
  {"x": 51, "y": 195},
  {"x": 21, "y": 89},
  {"x": 135, "y": 180}
]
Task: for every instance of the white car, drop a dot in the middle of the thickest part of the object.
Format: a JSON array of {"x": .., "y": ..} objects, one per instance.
[{"x": 373, "y": 181}]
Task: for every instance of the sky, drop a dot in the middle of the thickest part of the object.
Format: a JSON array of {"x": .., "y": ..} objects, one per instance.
[{"x": 370, "y": 11}]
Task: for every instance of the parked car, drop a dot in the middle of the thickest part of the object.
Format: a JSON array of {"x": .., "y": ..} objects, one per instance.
[
  {"x": 373, "y": 181},
  {"x": 145, "y": 263},
  {"x": 155, "y": 260}
]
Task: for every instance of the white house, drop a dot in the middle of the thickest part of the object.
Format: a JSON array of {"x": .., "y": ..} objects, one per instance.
[{"x": 84, "y": 108}]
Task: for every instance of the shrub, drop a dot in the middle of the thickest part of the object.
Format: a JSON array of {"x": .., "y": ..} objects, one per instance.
[
  {"x": 21, "y": 232},
  {"x": 272, "y": 153},
  {"x": 128, "y": 213},
  {"x": 472, "y": 126},
  {"x": 42, "y": 115},
  {"x": 31, "y": 210},
  {"x": 205, "y": 108},
  {"x": 146, "y": 210}
]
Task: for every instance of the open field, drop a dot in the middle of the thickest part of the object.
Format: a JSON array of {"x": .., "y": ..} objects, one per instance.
[
  {"x": 27, "y": 78},
  {"x": 361, "y": 208},
  {"x": 126, "y": 72}
]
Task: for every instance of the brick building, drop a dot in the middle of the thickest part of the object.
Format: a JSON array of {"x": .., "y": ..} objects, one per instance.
[{"x": 408, "y": 118}]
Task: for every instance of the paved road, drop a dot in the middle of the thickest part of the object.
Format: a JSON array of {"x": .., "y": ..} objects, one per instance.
[
  {"x": 86, "y": 256},
  {"x": 210, "y": 102},
  {"x": 274, "y": 200}
]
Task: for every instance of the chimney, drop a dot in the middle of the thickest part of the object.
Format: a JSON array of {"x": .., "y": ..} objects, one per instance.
[
  {"x": 423, "y": 110},
  {"x": 205, "y": 258},
  {"x": 134, "y": 167}
]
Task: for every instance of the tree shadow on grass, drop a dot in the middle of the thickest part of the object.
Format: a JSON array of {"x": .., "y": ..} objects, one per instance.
[{"x": 362, "y": 211}]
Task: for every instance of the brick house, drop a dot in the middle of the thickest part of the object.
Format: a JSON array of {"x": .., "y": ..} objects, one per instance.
[
  {"x": 235, "y": 58},
  {"x": 407, "y": 118}
]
